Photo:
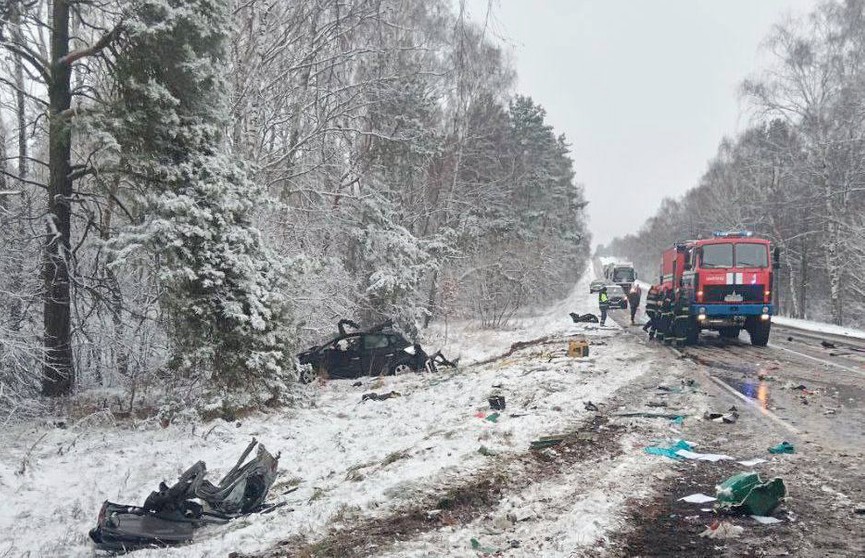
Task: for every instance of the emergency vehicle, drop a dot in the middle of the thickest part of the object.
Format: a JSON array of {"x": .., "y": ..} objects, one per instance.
[
  {"x": 722, "y": 283},
  {"x": 621, "y": 274}
]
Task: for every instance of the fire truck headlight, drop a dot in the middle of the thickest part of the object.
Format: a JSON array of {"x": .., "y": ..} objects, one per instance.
[
  {"x": 701, "y": 317},
  {"x": 765, "y": 317}
]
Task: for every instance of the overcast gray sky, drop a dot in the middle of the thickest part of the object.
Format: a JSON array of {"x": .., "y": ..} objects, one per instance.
[{"x": 643, "y": 89}]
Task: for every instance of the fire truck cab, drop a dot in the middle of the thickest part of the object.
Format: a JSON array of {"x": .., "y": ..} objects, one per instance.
[{"x": 723, "y": 283}]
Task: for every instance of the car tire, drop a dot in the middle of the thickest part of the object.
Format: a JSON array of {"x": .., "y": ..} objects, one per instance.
[
  {"x": 401, "y": 369},
  {"x": 759, "y": 333}
]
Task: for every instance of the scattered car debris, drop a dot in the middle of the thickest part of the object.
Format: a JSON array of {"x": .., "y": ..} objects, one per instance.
[
  {"x": 730, "y": 417},
  {"x": 476, "y": 546},
  {"x": 859, "y": 509},
  {"x": 547, "y": 441},
  {"x": 497, "y": 402},
  {"x": 747, "y": 494},
  {"x": 827, "y": 345},
  {"x": 687, "y": 454},
  {"x": 170, "y": 515},
  {"x": 697, "y": 499},
  {"x": 722, "y": 530},
  {"x": 589, "y": 406},
  {"x": 373, "y": 396},
  {"x": 643, "y": 414},
  {"x": 578, "y": 348},
  {"x": 766, "y": 520},
  {"x": 751, "y": 462},
  {"x": 669, "y": 451},
  {"x": 379, "y": 350},
  {"x": 493, "y": 417},
  {"x": 783, "y": 447},
  {"x": 584, "y": 318},
  {"x": 656, "y": 404}
]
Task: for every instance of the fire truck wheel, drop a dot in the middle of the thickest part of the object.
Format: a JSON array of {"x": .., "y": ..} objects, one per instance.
[
  {"x": 759, "y": 333},
  {"x": 729, "y": 332}
]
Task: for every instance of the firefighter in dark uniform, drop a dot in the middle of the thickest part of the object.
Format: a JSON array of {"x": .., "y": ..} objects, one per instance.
[
  {"x": 680, "y": 318},
  {"x": 665, "y": 321},
  {"x": 652, "y": 300}
]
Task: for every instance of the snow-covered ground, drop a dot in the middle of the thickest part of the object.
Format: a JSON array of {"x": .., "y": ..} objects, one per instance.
[
  {"x": 349, "y": 458},
  {"x": 819, "y": 327}
]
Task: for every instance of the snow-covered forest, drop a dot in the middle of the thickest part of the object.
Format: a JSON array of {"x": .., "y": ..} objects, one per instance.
[
  {"x": 192, "y": 191},
  {"x": 796, "y": 175}
]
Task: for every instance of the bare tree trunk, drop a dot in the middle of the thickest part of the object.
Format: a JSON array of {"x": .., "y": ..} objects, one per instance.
[
  {"x": 833, "y": 243},
  {"x": 803, "y": 288},
  {"x": 16, "y": 315},
  {"x": 58, "y": 370}
]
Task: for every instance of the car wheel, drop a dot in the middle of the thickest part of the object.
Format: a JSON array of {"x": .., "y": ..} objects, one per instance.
[{"x": 401, "y": 369}]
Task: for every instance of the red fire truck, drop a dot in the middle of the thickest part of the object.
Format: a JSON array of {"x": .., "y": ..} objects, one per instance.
[{"x": 722, "y": 283}]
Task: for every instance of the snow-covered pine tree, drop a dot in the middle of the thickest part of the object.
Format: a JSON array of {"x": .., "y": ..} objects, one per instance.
[{"x": 227, "y": 318}]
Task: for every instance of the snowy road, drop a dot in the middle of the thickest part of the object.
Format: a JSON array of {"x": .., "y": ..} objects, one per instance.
[{"x": 795, "y": 390}]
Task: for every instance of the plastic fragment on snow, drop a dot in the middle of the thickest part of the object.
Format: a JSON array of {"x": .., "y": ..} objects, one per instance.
[
  {"x": 671, "y": 416},
  {"x": 751, "y": 462},
  {"x": 783, "y": 447},
  {"x": 746, "y": 493},
  {"x": 493, "y": 417},
  {"x": 702, "y": 456},
  {"x": 476, "y": 545},
  {"x": 547, "y": 441},
  {"x": 373, "y": 396},
  {"x": 483, "y": 450},
  {"x": 480, "y": 415},
  {"x": 722, "y": 530},
  {"x": 669, "y": 451},
  {"x": 678, "y": 420},
  {"x": 497, "y": 402},
  {"x": 766, "y": 520},
  {"x": 697, "y": 499}
]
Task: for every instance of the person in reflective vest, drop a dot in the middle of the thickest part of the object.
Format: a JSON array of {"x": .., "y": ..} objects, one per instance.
[{"x": 603, "y": 304}]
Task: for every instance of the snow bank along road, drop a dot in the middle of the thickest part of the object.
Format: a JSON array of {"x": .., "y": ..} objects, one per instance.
[{"x": 425, "y": 473}]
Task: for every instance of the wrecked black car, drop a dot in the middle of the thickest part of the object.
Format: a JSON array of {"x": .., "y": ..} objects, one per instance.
[
  {"x": 170, "y": 515},
  {"x": 379, "y": 350}
]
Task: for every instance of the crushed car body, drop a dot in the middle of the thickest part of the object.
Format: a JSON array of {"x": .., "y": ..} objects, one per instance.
[
  {"x": 170, "y": 515},
  {"x": 380, "y": 350}
]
